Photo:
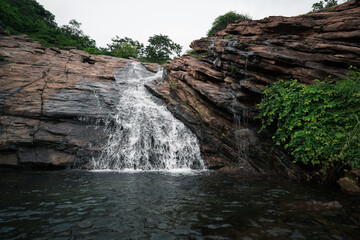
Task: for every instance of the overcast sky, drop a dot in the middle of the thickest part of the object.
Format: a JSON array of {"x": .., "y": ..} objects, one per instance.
[{"x": 182, "y": 20}]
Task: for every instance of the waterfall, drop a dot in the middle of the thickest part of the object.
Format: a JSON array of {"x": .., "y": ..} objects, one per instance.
[{"x": 144, "y": 135}]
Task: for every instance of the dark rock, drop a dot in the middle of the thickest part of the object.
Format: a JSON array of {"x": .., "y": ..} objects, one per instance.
[
  {"x": 349, "y": 185},
  {"x": 8, "y": 159},
  {"x": 89, "y": 60},
  {"x": 56, "y": 50}
]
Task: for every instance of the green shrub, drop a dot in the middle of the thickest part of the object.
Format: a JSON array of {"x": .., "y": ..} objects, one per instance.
[
  {"x": 125, "y": 47},
  {"x": 228, "y": 36},
  {"x": 29, "y": 17},
  {"x": 324, "y": 4},
  {"x": 318, "y": 124},
  {"x": 160, "y": 49},
  {"x": 191, "y": 51},
  {"x": 222, "y": 21},
  {"x": 197, "y": 54},
  {"x": 234, "y": 70}
]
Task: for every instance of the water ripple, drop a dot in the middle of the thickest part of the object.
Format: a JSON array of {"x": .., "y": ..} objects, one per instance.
[{"x": 153, "y": 205}]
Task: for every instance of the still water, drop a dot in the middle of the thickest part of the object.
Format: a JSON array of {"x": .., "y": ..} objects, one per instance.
[{"x": 165, "y": 205}]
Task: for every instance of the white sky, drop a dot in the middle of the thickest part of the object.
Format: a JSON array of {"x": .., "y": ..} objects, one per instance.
[{"x": 182, "y": 20}]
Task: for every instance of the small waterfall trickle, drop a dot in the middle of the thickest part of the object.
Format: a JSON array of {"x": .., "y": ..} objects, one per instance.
[{"x": 143, "y": 133}]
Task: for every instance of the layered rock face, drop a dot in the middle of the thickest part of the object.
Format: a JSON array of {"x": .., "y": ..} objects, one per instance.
[
  {"x": 215, "y": 91},
  {"x": 52, "y": 102}
]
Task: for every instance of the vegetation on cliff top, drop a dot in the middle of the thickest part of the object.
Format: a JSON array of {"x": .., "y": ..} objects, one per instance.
[
  {"x": 29, "y": 17},
  {"x": 160, "y": 49},
  {"x": 324, "y": 4},
  {"x": 222, "y": 21},
  {"x": 318, "y": 124}
]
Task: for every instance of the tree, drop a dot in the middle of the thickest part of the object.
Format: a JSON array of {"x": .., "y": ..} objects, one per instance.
[
  {"x": 29, "y": 17},
  {"x": 160, "y": 49},
  {"x": 125, "y": 47},
  {"x": 222, "y": 21},
  {"x": 73, "y": 32},
  {"x": 322, "y": 5}
]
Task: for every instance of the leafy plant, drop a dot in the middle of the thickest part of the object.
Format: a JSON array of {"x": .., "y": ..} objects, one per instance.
[
  {"x": 29, "y": 17},
  {"x": 125, "y": 47},
  {"x": 228, "y": 36},
  {"x": 222, "y": 21},
  {"x": 234, "y": 70},
  {"x": 191, "y": 51},
  {"x": 323, "y": 4},
  {"x": 319, "y": 124},
  {"x": 175, "y": 85},
  {"x": 160, "y": 48}
]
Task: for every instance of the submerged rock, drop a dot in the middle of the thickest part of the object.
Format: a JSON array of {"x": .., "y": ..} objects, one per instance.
[{"x": 349, "y": 186}]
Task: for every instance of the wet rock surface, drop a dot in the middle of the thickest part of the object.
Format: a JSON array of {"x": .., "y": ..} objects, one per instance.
[
  {"x": 215, "y": 91},
  {"x": 52, "y": 102}
]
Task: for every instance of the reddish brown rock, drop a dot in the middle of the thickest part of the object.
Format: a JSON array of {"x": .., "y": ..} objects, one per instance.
[
  {"x": 49, "y": 102},
  {"x": 215, "y": 93}
]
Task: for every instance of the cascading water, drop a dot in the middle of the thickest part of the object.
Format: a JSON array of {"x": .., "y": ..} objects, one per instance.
[{"x": 143, "y": 133}]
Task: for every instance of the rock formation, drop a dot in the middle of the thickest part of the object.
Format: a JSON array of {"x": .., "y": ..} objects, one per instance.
[
  {"x": 215, "y": 91},
  {"x": 51, "y": 101}
]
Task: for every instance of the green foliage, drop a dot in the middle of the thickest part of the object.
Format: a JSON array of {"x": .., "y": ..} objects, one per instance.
[
  {"x": 175, "y": 85},
  {"x": 318, "y": 124},
  {"x": 222, "y": 21},
  {"x": 191, "y": 51},
  {"x": 196, "y": 54},
  {"x": 2, "y": 58},
  {"x": 25, "y": 16},
  {"x": 125, "y": 47},
  {"x": 228, "y": 36},
  {"x": 160, "y": 48},
  {"x": 199, "y": 56},
  {"x": 324, "y": 4},
  {"x": 234, "y": 70},
  {"x": 28, "y": 17},
  {"x": 74, "y": 36}
]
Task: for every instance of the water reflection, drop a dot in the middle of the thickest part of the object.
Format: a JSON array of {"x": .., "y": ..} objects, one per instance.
[{"x": 155, "y": 205}]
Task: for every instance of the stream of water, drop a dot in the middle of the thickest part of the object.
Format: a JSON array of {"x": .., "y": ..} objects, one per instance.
[{"x": 144, "y": 135}]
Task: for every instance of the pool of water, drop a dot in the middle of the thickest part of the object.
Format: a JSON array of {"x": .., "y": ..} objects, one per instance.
[{"x": 164, "y": 205}]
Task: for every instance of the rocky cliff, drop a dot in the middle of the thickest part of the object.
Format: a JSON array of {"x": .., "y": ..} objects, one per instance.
[
  {"x": 51, "y": 102},
  {"x": 215, "y": 91}
]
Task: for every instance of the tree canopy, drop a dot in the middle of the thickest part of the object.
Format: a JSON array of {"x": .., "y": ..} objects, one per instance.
[
  {"x": 125, "y": 47},
  {"x": 29, "y": 17},
  {"x": 222, "y": 21},
  {"x": 160, "y": 49},
  {"x": 324, "y": 4}
]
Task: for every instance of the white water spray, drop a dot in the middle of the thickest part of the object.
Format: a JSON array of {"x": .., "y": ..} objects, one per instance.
[{"x": 144, "y": 134}]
